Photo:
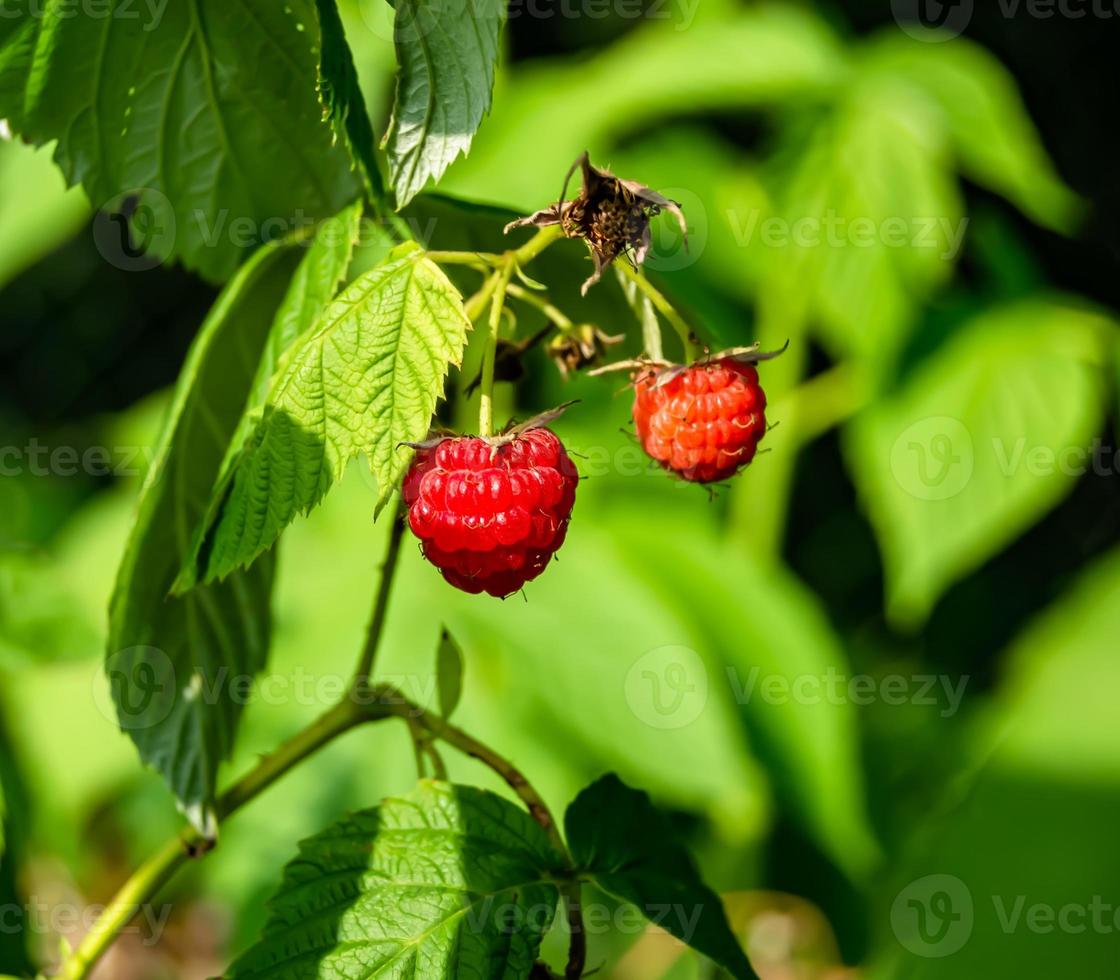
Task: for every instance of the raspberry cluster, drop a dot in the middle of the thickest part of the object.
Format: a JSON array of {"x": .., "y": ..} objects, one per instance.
[
  {"x": 703, "y": 422},
  {"x": 490, "y": 514}
]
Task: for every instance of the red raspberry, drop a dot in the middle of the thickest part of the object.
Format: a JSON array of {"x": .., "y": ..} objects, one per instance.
[
  {"x": 703, "y": 422},
  {"x": 491, "y": 513}
]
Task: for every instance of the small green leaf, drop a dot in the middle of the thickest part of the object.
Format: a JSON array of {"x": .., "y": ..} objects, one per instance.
[
  {"x": 995, "y": 140},
  {"x": 172, "y": 661},
  {"x": 187, "y": 108},
  {"x": 628, "y": 847},
  {"x": 448, "y": 883},
  {"x": 365, "y": 380},
  {"x": 341, "y": 96},
  {"x": 312, "y": 287},
  {"x": 872, "y": 222},
  {"x": 984, "y": 439},
  {"x": 447, "y": 54},
  {"x": 449, "y": 673}
]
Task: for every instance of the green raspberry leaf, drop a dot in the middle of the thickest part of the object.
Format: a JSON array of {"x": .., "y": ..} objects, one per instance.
[
  {"x": 447, "y": 52},
  {"x": 364, "y": 381},
  {"x": 312, "y": 287},
  {"x": 341, "y": 96},
  {"x": 448, "y": 883},
  {"x": 619, "y": 838},
  {"x": 205, "y": 112},
  {"x": 985, "y": 438},
  {"x": 170, "y": 660}
]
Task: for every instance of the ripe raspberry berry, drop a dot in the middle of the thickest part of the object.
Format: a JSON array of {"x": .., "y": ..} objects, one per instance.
[
  {"x": 703, "y": 422},
  {"x": 490, "y": 513}
]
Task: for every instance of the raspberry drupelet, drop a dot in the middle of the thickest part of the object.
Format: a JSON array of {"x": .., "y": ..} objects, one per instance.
[
  {"x": 490, "y": 514},
  {"x": 703, "y": 422}
]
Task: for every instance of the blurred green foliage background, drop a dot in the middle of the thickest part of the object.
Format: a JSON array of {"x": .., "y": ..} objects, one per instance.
[{"x": 934, "y": 531}]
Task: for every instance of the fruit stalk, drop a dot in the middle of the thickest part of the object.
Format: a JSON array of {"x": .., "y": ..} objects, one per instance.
[
  {"x": 497, "y": 305},
  {"x": 692, "y": 350}
]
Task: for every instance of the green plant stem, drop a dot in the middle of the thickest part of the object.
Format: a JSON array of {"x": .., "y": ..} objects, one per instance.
[
  {"x": 577, "y": 949},
  {"x": 537, "y": 244},
  {"x": 365, "y": 704},
  {"x": 154, "y": 873},
  {"x": 143, "y": 884},
  {"x": 692, "y": 349},
  {"x": 497, "y": 304},
  {"x": 477, "y": 260},
  {"x": 399, "y": 705},
  {"x": 381, "y": 603},
  {"x": 825, "y": 401},
  {"x": 555, "y": 316},
  {"x": 476, "y": 305}
]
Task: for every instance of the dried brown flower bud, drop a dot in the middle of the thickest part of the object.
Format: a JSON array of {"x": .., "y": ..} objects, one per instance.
[
  {"x": 612, "y": 215},
  {"x": 580, "y": 347}
]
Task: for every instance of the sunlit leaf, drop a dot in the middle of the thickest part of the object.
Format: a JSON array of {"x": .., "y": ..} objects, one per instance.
[
  {"x": 447, "y": 53},
  {"x": 448, "y": 882},
  {"x": 984, "y": 439},
  {"x": 365, "y": 380},
  {"x": 312, "y": 287}
]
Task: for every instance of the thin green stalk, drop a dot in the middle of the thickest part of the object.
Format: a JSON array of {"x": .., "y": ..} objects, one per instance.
[
  {"x": 537, "y": 244},
  {"x": 477, "y": 304},
  {"x": 577, "y": 949},
  {"x": 381, "y": 603},
  {"x": 556, "y": 316},
  {"x": 399, "y": 705},
  {"x": 497, "y": 305},
  {"x": 144, "y": 883},
  {"x": 760, "y": 498},
  {"x": 475, "y": 259},
  {"x": 692, "y": 349},
  {"x": 368, "y": 704}
]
